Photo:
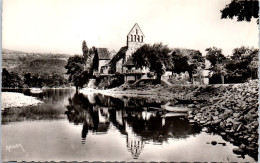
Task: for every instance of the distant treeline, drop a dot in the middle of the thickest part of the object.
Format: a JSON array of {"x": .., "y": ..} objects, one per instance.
[
  {"x": 22, "y": 69},
  {"x": 27, "y": 80}
]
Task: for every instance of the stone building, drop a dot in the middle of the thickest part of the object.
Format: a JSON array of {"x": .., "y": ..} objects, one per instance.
[
  {"x": 103, "y": 57},
  {"x": 134, "y": 40},
  {"x": 96, "y": 59}
]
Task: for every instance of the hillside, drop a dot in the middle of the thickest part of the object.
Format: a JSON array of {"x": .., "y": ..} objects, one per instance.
[{"x": 22, "y": 62}]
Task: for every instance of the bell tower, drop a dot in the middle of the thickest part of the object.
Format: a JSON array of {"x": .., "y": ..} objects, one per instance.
[{"x": 135, "y": 39}]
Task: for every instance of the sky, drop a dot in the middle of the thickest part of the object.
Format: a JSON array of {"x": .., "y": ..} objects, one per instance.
[{"x": 60, "y": 26}]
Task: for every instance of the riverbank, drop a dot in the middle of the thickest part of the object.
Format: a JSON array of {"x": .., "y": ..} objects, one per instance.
[
  {"x": 232, "y": 113},
  {"x": 229, "y": 110},
  {"x": 15, "y": 100}
]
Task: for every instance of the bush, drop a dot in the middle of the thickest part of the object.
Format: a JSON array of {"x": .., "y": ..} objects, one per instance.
[{"x": 110, "y": 81}]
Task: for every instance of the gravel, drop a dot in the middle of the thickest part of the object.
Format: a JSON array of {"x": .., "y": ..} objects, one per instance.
[{"x": 12, "y": 99}]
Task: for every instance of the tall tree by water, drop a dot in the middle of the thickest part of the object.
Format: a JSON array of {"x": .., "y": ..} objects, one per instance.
[
  {"x": 85, "y": 50},
  {"x": 155, "y": 57},
  {"x": 244, "y": 10},
  {"x": 75, "y": 67},
  {"x": 5, "y": 78}
]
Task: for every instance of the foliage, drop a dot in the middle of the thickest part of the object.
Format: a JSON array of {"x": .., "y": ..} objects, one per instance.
[
  {"x": 110, "y": 81},
  {"x": 15, "y": 80},
  {"x": 215, "y": 55},
  {"x": 11, "y": 79},
  {"x": 180, "y": 61},
  {"x": 155, "y": 57},
  {"x": 243, "y": 63},
  {"x": 220, "y": 69},
  {"x": 75, "y": 67},
  {"x": 244, "y": 52},
  {"x": 95, "y": 60},
  {"x": 85, "y": 50},
  {"x": 5, "y": 78},
  {"x": 242, "y": 9},
  {"x": 187, "y": 60}
]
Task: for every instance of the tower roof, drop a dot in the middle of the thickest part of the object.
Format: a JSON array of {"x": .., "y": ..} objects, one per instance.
[{"x": 136, "y": 26}]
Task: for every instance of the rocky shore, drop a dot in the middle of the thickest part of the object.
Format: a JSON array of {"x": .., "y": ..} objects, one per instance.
[
  {"x": 232, "y": 112},
  {"x": 15, "y": 100}
]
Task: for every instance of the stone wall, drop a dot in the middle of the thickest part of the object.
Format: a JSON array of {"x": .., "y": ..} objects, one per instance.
[{"x": 102, "y": 63}]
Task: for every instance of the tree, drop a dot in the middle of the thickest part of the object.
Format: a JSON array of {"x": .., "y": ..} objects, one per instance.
[
  {"x": 253, "y": 65},
  {"x": 215, "y": 55},
  {"x": 243, "y": 63},
  {"x": 188, "y": 60},
  {"x": 85, "y": 50},
  {"x": 179, "y": 61},
  {"x": 239, "y": 53},
  {"x": 27, "y": 79},
  {"x": 155, "y": 57},
  {"x": 75, "y": 67},
  {"x": 5, "y": 78},
  {"x": 244, "y": 10},
  {"x": 15, "y": 80}
]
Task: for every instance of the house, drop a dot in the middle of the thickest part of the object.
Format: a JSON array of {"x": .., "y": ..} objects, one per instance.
[{"x": 103, "y": 58}]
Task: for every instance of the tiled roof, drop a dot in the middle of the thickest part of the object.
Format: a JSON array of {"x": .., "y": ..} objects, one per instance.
[
  {"x": 103, "y": 54},
  {"x": 119, "y": 55}
]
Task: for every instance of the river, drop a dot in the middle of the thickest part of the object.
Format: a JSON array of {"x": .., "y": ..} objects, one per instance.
[{"x": 95, "y": 127}]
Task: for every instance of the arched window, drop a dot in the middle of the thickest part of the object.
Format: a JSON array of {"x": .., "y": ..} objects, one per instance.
[
  {"x": 131, "y": 37},
  {"x": 137, "y": 31},
  {"x": 135, "y": 37},
  {"x": 138, "y": 38},
  {"x": 142, "y": 39}
]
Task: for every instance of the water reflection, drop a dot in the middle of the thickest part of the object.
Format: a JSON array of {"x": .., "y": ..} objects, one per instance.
[
  {"x": 53, "y": 107},
  {"x": 50, "y": 96},
  {"x": 130, "y": 116}
]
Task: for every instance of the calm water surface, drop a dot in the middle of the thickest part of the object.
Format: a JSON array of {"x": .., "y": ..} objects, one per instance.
[{"x": 102, "y": 128}]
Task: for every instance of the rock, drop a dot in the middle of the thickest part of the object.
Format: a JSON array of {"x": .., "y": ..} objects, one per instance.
[
  {"x": 248, "y": 117},
  {"x": 204, "y": 129},
  {"x": 236, "y": 115},
  {"x": 231, "y": 131},
  {"x": 190, "y": 116},
  {"x": 238, "y": 151},
  {"x": 223, "y": 134},
  {"x": 191, "y": 121},
  {"x": 242, "y": 146},
  {"x": 248, "y": 148},
  {"x": 236, "y": 134},
  {"x": 250, "y": 139},
  {"x": 231, "y": 140},
  {"x": 213, "y": 142}
]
